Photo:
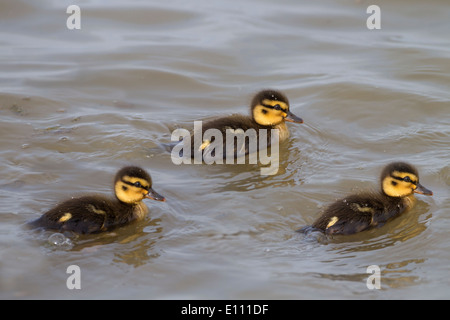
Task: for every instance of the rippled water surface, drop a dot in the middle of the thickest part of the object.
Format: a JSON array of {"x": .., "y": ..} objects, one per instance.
[{"x": 76, "y": 105}]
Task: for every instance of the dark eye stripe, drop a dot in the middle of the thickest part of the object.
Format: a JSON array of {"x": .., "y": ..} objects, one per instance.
[
  {"x": 275, "y": 107},
  {"x": 136, "y": 184},
  {"x": 403, "y": 179}
]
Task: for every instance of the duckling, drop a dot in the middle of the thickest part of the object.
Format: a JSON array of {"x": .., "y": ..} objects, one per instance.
[
  {"x": 96, "y": 213},
  {"x": 269, "y": 110},
  {"x": 355, "y": 213}
]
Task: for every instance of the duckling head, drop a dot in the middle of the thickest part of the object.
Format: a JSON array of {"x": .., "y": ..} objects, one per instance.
[
  {"x": 270, "y": 108},
  {"x": 133, "y": 184},
  {"x": 400, "y": 179}
]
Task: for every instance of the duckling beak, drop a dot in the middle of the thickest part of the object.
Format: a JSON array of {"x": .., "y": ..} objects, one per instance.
[
  {"x": 152, "y": 194},
  {"x": 422, "y": 190},
  {"x": 292, "y": 117}
]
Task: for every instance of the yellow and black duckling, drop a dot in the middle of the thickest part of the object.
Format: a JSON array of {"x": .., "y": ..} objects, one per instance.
[
  {"x": 269, "y": 110},
  {"x": 355, "y": 213},
  {"x": 96, "y": 213}
]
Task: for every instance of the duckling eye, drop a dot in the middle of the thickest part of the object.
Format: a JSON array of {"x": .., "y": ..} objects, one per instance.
[
  {"x": 138, "y": 184},
  {"x": 277, "y": 107},
  {"x": 407, "y": 179}
]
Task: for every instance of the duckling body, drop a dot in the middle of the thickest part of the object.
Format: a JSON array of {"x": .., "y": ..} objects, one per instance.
[
  {"x": 355, "y": 213},
  {"x": 93, "y": 214},
  {"x": 269, "y": 110},
  {"x": 235, "y": 125},
  {"x": 359, "y": 212}
]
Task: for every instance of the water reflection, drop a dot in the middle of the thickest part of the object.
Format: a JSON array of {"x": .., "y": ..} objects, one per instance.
[
  {"x": 392, "y": 275},
  {"x": 400, "y": 274},
  {"x": 134, "y": 244}
]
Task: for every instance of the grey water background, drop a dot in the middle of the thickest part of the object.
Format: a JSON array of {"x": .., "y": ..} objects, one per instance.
[{"x": 76, "y": 105}]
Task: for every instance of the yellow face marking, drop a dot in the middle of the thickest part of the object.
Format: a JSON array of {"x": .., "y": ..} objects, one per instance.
[
  {"x": 332, "y": 221},
  {"x": 128, "y": 193},
  {"x": 397, "y": 188},
  {"x": 66, "y": 216},
  {"x": 204, "y": 145},
  {"x": 268, "y": 116}
]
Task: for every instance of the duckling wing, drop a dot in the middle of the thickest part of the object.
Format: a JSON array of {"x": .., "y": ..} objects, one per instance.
[
  {"x": 350, "y": 215},
  {"x": 233, "y": 122},
  {"x": 238, "y": 135},
  {"x": 81, "y": 215}
]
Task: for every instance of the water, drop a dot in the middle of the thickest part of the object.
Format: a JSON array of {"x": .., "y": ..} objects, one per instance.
[{"x": 76, "y": 105}]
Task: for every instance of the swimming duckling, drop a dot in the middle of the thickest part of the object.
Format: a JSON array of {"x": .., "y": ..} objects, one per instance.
[
  {"x": 93, "y": 214},
  {"x": 355, "y": 213},
  {"x": 269, "y": 110}
]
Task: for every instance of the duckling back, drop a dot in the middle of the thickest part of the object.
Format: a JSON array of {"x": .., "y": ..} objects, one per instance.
[
  {"x": 359, "y": 212},
  {"x": 89, "y": 214},
  {"x": 234, "y": 136}
]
